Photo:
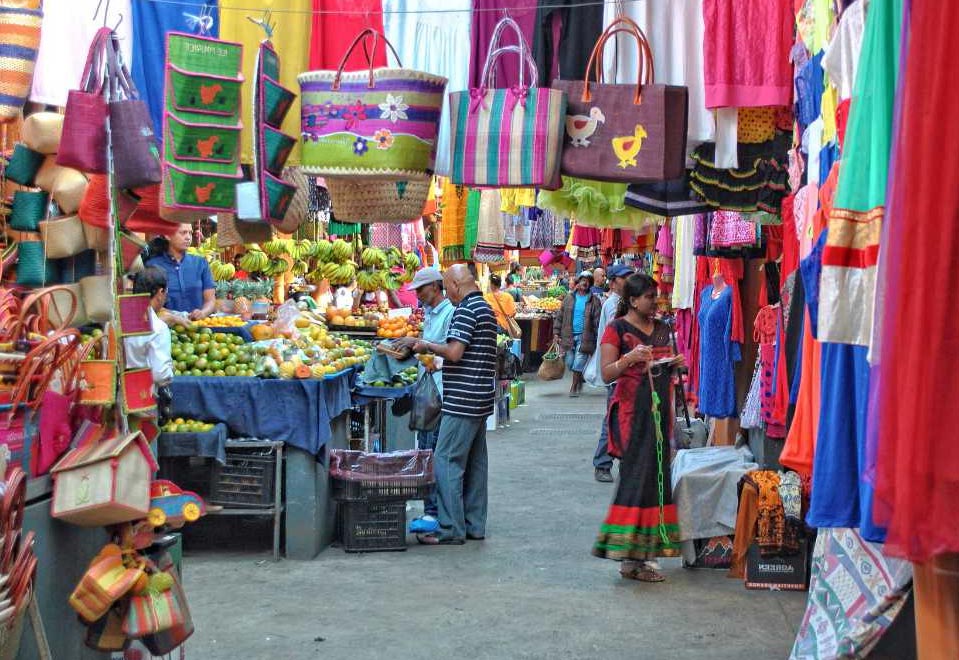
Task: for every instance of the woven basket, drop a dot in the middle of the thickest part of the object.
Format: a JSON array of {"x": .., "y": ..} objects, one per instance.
[
  {"x": 20, "y": 39},
  {"x": 371, "y": 201},
  {"x": 47, "y": 174},
  {"x": 68, "y": 189},
  {"x": 97, "y": 297},
  {"x": 23, "y": 165},
  {"x": 63, "y": 237},
  {"x": 231, "y": 231},
  {"x": 299, "y": 208},
  {"x": 41, "y": 131},
  {"x": 29, "y": 208}
]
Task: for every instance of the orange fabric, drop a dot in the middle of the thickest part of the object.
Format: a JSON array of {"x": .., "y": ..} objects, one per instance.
[
  {"x": 800, "y": 444},
  {"x": 745, "y": 530},
  {"x": 501, "y": 302},
  {"x": 937, "y": 607}
]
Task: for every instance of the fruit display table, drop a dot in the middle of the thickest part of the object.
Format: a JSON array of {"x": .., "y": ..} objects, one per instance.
[
  {"x": 297, "y": 412},
  {"x": 207, "y": 444},
  {"x": 311, "y": 416}
]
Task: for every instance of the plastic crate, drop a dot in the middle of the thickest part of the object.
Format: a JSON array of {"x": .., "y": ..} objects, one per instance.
[
  {"x": 402, "y": 475},
  {"x": 247, "y": 479},
  {"x": 372, "y": 526}
]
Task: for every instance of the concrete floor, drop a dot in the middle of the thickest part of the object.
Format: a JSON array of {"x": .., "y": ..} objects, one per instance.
[{"x": 531, "y": 590}]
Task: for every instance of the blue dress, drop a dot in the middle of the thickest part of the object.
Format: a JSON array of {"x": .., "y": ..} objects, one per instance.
[{"x": 718, "y": 354}]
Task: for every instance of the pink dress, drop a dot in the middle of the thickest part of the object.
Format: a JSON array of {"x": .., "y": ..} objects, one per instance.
[{"x": 746, "y": 52}]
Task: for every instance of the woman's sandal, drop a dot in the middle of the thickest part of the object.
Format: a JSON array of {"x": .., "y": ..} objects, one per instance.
[{"x": 642, "y": 574}]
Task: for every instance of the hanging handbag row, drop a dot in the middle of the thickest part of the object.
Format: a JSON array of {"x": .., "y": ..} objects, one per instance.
[{"x": 528, "y": 136}]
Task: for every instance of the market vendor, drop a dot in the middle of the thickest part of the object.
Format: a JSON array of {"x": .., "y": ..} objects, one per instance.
[{"x": 190, "y": 288}]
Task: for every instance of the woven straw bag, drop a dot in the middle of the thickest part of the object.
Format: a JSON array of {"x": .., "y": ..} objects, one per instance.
[
  {"x": 231, "y": 231},
  {"x": 19, "y": 43},
  {"x": 300, "y": 206},
  {"x": 377, "y": 201},
  {"x": 41, "y": 131},
  {"x": 97, "y": 297},
  {"x": 68, "y": 189},
  {"x": 63, "y": 237}
]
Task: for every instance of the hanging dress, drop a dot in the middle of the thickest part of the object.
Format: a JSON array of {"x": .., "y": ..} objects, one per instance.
[
  {"x": 641, "y": 514},
  {"x": 334, "y": 26},
  {"x": 410, "y": 24},
  {"x": 852, "y": 250},
  {"x": 718, "y": 354},
  {"x": 291, "y": 38}
]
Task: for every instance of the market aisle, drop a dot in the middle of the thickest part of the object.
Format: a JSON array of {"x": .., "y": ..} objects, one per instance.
[{"x": 531, "y": 590}]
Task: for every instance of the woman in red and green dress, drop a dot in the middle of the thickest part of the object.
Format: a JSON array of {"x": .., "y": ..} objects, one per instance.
[{"x": 641, "y": 524}]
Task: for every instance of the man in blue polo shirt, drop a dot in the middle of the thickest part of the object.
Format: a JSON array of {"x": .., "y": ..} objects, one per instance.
[
  {"x": 190, "y": 287},
  {"x": 469, "y": 369}
]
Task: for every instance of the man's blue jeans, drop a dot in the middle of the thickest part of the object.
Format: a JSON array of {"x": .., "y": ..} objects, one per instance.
[
  {"x": 601, "y": 458},
  {"x": 461, "y": 468},
  {"x": 427, "y": 440}
]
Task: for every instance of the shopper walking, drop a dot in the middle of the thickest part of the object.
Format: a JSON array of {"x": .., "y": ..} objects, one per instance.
[
  {"x": 575, "y": 328},
  {"x": 641, "y": 523},
  {"x": 602, "y": 461},
  {"x": 599, "y": 282},
  {"x": 469, "y": 369},
  {"x": 428, "y": 285},
  {"x": 502, "y": 303}
]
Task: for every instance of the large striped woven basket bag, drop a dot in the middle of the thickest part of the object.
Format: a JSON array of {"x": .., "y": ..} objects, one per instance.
[
  {"x": 380, "y": 123},
  {"x": 507, "y": 137},
  {"x": 19, "y": 42}
]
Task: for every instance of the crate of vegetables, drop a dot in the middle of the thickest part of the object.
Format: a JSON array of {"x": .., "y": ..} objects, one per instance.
[{"x": 400, "y": 475}]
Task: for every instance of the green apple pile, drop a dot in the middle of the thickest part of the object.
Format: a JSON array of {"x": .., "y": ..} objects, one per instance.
[
  {"x": 402, "y": 378},
  {"x": 180, "y": 425}
]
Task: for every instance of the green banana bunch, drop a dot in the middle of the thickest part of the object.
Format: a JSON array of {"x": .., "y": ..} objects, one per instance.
[
  {"x": 221, "y": 271},
  {"x": 300, "y": 268},
  {"x": 411, "y": 261},
  {"x": 254, "y": 261},
  {"x": 341, "y": 251},
  {"x": 323, "y": 250},
  {"x": 373, "y": 258}
]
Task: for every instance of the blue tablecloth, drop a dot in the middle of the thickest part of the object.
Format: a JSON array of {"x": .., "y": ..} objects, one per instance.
[
  {"x": 211, "y": 444},
  {"x": 298, "y": 412},
  {"x": 363, "y": 395}
]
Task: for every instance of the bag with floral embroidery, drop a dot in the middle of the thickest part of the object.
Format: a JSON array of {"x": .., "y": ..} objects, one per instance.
[{"x": 379, "y": 122}]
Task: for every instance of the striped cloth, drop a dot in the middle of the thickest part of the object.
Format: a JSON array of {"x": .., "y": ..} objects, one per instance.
[
  {"x": 19, "y": 42},
  {"x": 468, "y": 384}
]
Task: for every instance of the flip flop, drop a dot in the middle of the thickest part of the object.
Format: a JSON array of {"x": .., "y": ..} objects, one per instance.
[{"x": 433, "y": 539}]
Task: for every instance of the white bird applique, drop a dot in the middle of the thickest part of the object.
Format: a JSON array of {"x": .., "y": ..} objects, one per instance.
[{"x": 582, "y": 127}]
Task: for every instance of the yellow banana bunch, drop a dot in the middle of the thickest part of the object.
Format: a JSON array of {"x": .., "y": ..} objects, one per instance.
[
  {"x": 373, "y": 258},
  {"x": 341, "y": 251},
  {"x": 323, "y": 250},
  {"x": 300, "y": 268},
  {"x": 254, "y": 261}
]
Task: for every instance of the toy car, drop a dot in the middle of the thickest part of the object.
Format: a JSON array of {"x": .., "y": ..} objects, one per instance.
[{"x": 170, "y": 504}]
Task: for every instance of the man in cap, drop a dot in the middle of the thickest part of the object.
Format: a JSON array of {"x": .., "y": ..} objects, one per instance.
[
  {"x": 469, "y": 371},
  {"x": 602, "y": 461},
  {"x": 428, "y": 285}
]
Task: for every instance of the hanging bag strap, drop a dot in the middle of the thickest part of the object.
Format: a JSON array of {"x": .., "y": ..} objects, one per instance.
[
  {"x": 495, "y": 50},
  {"x": 370, "y": 54},
  {"x": 594, "y": 66},
  {"x": 92, "y": 79}
]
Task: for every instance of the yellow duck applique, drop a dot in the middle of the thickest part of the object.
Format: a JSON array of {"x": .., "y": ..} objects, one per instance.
[{"x": 627, "y": 147}]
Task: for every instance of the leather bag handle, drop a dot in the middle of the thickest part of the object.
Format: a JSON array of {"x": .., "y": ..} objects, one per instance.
[
  {"x": 646, "y": 73},
  {"x": 365, "y": 34}
]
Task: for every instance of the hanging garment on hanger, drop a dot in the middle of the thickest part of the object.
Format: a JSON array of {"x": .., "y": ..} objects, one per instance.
[
  {"x": 684, "y": 283},
  {"x": 746, "y": 52},
  {"x": 151, "y": 21},
  {"x": 676, "y": 32},
  {"x": 332, "y": 33},
  {"x": 448, "y": 36},
  {"x": 563, "y": 39},
  {"x": 841, "y": 58},
  {"x": 68, "y": 28},
  {"x": 291, "y": 36},
  {"x": 718, "y": 354},
  {"x": 852, "y": 251},
  {"x": 486, "y": 14}
]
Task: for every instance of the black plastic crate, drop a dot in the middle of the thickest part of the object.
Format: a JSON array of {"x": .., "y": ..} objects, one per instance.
[
  {"x": 193, "y": 473},
  {"x": 372, "y": 526},
  {"x": 357, "y": 422},
  {"x": 357, "y": 476},
  {"x": 247, "y": 479},
  {"x": 359, "y": 491}
]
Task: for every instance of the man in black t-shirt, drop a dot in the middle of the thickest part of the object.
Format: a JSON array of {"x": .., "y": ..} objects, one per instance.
[{"x": 469, "y": 369}]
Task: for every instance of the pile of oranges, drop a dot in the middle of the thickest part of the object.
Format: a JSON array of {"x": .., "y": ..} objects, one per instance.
[{"x": 396, "y": 327}]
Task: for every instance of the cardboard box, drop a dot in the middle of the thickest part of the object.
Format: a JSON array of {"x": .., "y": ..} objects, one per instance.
[
  {"x": 778, "y": 573},
  {"x": 716, "y": 552}
]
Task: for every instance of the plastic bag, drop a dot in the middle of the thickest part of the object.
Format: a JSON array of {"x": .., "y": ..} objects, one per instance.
[
  {"x": 427, "y": 404},
  {"x": 286, "y": 315}
]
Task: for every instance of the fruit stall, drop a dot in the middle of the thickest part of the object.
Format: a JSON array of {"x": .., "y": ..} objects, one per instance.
[{"x": 535, "y": 317}]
